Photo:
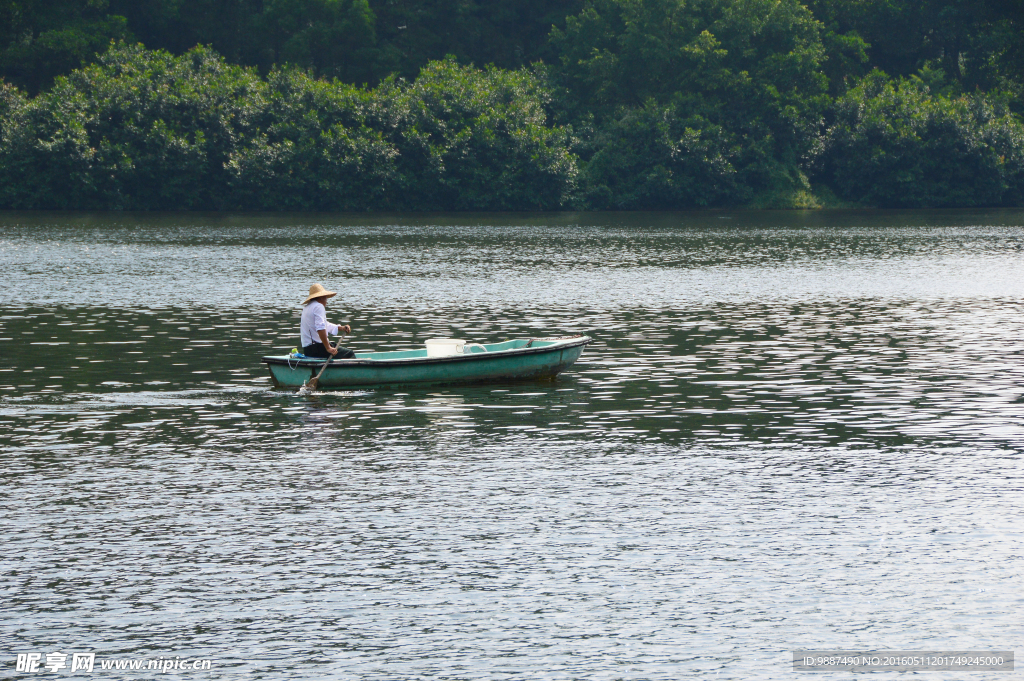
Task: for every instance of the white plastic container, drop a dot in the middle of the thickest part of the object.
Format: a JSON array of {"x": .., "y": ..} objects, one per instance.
[{"x": 445, "y": 347}]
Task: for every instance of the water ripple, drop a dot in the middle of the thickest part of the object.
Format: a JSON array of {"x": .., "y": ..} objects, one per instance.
[{"x": 789, "y": 432}]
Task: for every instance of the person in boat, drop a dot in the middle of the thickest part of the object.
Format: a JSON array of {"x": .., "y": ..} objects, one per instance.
[{"x": 315, "y": 327}]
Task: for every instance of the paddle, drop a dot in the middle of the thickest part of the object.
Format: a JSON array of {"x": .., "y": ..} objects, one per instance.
[{"x": 312, "y": 385}]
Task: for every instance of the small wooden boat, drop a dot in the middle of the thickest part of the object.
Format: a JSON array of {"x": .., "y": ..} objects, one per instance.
[{"x": 446, "y": 361}]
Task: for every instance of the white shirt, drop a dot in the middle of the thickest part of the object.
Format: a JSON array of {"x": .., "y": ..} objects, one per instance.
[{"x": 314, "y": 318}]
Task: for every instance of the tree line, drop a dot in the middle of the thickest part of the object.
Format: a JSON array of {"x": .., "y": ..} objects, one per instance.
[{"x": 542, "y": 104}]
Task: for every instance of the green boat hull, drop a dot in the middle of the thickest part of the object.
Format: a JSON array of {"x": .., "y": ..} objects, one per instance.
[{"x": 511, "y": 360}]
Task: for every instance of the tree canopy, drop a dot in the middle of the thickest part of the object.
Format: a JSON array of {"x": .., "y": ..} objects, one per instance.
[
  {"x": 465, "y": 104},
  {"x": 148, "y": 130}
]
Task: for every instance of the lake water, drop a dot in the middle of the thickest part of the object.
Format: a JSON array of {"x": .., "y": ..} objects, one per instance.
[{"x": 793, "y": 430}]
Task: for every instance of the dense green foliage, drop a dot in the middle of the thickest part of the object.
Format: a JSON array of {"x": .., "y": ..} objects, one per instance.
[
  {"x": 147, "y": 130},
  {"x": 40, "y": 40},
  {"x": 358, "y": 41},
  {"x": 716, "y": 98},
  {"x": 975, "y": 43},
  {"x": 605, "y": 104},
  {"x": 894, "y": 145}
]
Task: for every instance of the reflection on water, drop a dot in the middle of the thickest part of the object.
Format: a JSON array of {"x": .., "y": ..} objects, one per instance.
[{"x": 791, "y": 431}]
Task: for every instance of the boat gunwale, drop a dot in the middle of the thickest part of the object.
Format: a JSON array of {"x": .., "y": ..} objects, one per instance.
[{"x": 475, "y": 356}]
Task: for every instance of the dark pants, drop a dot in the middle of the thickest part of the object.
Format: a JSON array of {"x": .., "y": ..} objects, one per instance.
[{"x": 318, "y": 350}]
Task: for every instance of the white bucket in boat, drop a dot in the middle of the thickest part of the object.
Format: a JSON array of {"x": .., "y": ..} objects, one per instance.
[{"x": 445, "y": 347}]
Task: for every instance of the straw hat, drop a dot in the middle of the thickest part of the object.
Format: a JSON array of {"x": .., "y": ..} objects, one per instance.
[{"x": 318, "y": 291}]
